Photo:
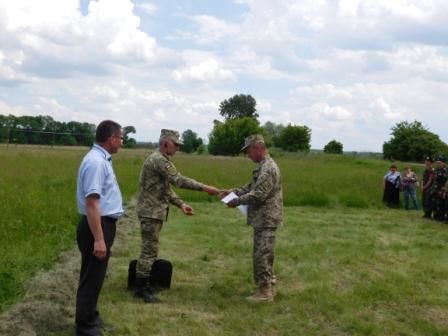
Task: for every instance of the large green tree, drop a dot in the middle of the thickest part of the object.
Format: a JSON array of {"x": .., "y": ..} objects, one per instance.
[
  {"x": 294, "y": 138},
  {"x": 334, "y": 147},
  {"x": 411, "y": 141},
  {"x": 191, "y": 141},
  {"x": 228, "y": 138},
  {"x": 238, "y": 106}
]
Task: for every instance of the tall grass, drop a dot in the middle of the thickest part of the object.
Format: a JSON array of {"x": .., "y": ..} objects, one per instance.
[
  {"x": 312, "y": 180},
  {"x": 38, "y": 209}
]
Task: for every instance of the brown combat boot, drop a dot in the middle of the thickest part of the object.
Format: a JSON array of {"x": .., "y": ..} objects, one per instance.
[{"x": 264, "y": 293}]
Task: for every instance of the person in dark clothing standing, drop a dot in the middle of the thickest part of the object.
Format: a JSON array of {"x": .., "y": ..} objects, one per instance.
[
  {"x": 428, "y": 176},
  {"x": 391, "y": 186},
  {"x": 100, "y": 205},
  {"x": 437, "y": 189}
]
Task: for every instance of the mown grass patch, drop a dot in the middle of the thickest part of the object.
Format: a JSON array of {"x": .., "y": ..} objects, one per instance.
[{"x": 340, "y": 272}]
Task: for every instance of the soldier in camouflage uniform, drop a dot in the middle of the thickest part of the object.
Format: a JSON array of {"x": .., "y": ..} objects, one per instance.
[
  {"x": 264, "y": 198},
  {"x": 428, "y": 176},
  {"x": 445, "y": 197},
  {"x": 437, "y": 188},
  {"x": 155, "y": 194}
]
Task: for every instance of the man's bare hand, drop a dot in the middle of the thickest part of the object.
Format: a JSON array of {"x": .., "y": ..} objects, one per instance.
[
  {"x": 99, "y": 249},
  {"x": 233, "y": 203},
  {"x": 211, "y": 190},
  {"x": 187, "y": 210}
]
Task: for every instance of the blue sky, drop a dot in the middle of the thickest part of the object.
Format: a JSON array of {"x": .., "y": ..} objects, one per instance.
[{"x": 347, "y": 69}]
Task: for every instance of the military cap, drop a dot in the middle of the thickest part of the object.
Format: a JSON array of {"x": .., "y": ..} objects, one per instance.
[
  {"x": 171, "y": 135},
  {"x": 441, "y": 159},
  {"x": 252, "y": 139},
  {"x": 428, "y": 158}
]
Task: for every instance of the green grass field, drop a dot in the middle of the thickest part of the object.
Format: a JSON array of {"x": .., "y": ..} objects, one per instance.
[
  {"x": 340, "y": 272},
  {"x": 345, "y": 264}
]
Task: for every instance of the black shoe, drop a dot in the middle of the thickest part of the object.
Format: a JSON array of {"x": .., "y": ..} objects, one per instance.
[
  {"x": 109, "y": 329},
  {"x": 150, "y": 298},
  {"x": 148, "y": 294}
]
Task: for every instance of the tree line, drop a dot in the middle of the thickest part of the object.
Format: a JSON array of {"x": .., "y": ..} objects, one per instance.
[
  {"x": 44, "y": 130},
  {"x": 410, "y": 141}
]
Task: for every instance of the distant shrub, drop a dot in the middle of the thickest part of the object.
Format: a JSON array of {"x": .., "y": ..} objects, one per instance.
[
  {"x": 333, "y": 147},
  {"x": 294, "y": 138}
]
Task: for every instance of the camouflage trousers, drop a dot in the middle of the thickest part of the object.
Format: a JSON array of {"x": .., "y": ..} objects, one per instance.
[
  {"x": 263, "y": 256},
  {"x": 427, "y": 203},
  {"x": 438, "y": 206},
  {"x": 150, "y": 232}
]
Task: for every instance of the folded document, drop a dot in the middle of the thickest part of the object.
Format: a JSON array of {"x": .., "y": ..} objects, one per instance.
[{"x": 231, "y": 196}]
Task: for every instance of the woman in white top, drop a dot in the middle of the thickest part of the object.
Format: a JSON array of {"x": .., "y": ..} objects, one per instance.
[{"x": 391, "y": 186}]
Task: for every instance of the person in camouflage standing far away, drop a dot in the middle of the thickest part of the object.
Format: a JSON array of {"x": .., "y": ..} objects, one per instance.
[
  {"x": 428, "y": 176},
  {"x": 155, "y": 194},
  {"x": 264, "y": 198},
  {"x": 437, "y": 187},
  {"x": 445, "y": 196}
]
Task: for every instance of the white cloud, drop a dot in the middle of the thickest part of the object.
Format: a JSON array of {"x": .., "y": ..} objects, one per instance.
[
  {"x": 60, "y": 41},
  {"x": 213, "y": 29},
  {"x": 14, "y": 110},
  {"x": 206, "y": 70},
  {"x": 148, "y": 8}
]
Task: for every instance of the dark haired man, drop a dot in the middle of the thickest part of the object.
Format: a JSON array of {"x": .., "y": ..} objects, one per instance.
[{"x": 100, "y": 205}]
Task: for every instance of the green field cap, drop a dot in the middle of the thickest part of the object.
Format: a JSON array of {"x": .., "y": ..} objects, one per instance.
[
  {"x": 171, "y": 135},
  {"x": 252, "y": 139}
]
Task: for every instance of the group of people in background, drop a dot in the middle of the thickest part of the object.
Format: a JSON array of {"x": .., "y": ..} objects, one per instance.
[{"x": 434, "y": 186}]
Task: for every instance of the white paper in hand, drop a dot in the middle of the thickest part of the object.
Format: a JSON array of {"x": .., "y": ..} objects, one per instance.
[{"x": 231, "y": 196}]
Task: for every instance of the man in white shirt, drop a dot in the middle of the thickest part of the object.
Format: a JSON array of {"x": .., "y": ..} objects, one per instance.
[{"x": 100, "y": 204}]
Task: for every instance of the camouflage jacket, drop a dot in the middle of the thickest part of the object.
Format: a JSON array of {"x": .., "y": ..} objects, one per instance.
[
  {"x": 155, "y": 194},
  {"x": 438, "y": 183},
  {"x": 428, "y": 175},
  {"x": 263, "y": 195}
]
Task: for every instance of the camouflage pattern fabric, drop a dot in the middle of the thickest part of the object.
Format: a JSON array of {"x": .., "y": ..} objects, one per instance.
[
  {"x": 263, "y": 256},
  {"x": 263, "y": 196},
  {"x": 426, "y": 196},
  {"x": 437, "y": 188},
  {"x": 155, "y": 194},
  {"x": 150, "y": 231}
]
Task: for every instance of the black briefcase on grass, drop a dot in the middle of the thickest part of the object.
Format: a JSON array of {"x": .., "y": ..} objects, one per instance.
[{"x": 160, "y": 275}]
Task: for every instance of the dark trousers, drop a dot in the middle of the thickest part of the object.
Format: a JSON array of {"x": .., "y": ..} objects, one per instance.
[
  {"x": 93, "y": 271},
  {"x": 426, "y": 200}
]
